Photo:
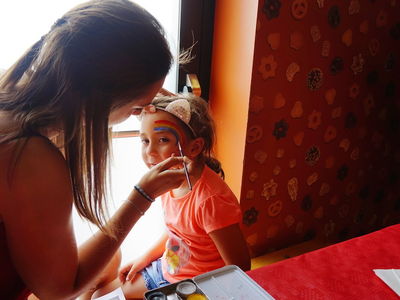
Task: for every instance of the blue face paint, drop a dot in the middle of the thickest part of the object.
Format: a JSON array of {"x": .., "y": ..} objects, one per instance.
[{"x": 170, "y": 130}]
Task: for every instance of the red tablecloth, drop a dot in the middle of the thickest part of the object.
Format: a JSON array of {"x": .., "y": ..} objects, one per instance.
[{"x": 340, "y": 271}]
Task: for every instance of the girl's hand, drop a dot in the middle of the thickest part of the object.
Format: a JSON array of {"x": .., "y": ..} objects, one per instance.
[
  {"x": 124, "y": 271},
  {"x": 129, "y": 271},
  {"x": 164, "y": 177}
]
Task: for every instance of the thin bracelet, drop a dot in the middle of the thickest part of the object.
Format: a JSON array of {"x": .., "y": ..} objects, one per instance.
[
  {"x": 137, "y": 208},
  {"x": 143, "y": 193}
]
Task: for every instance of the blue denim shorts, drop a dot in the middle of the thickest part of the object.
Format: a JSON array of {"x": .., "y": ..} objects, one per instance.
[{"x": 152, "y": 275}]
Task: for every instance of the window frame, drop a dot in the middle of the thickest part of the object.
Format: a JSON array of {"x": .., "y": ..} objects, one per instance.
[{"x": 196, "y": 31}]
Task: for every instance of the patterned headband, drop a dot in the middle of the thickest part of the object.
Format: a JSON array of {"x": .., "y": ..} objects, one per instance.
[{"x": 179, "y": 108}]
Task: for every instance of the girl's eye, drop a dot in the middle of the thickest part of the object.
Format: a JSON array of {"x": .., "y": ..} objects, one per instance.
[
  {"x": 164, "y": 140},
  {"x": 145, "y": 141}
]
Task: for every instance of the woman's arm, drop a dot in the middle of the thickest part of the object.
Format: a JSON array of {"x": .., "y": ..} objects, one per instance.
[
  {"x": 38, "y": 222},
  {"x": 232, "y": 246}
]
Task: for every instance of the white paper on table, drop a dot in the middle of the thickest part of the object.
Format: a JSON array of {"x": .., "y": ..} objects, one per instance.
[
  {"x": 391, "y": 277},
  {"x": 114, "y": 295}
]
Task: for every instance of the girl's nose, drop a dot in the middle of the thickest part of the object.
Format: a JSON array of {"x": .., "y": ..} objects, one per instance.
[{"x": 151, "y": 149}]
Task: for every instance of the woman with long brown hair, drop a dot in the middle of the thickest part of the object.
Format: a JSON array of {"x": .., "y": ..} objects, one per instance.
[{"x": 98, "y": 63}]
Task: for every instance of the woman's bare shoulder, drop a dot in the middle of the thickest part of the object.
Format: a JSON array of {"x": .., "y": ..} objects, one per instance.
[
  {"x": 35, "y": 147},
  {"x": 40, "y": 145},
  {"x": 30, "y": 148},
  {"x": 36, "y": 159},
  {"x": 36, "y": 176},
  {"x": 40, "y": 154}
]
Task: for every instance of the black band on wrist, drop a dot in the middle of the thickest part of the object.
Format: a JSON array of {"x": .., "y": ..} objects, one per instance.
[{"x": 143, "y": 193}]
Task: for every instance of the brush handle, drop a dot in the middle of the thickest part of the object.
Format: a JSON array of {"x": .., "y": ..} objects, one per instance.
[{"x": 185, "y": 167}]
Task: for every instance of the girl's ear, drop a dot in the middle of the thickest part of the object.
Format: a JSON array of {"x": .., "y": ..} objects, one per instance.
[{"x": 195, "y": 148}]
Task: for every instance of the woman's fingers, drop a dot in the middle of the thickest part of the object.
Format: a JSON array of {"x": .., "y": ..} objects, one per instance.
[
  {"x": 173, "y": 161},
  {"x": 189, "y": 163},
  {"x": 169, "y": 163},
  {"x": 164, "y": 177}
]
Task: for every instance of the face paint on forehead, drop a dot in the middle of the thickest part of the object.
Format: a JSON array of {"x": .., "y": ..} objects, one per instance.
[{"x": 165, "y": 125}]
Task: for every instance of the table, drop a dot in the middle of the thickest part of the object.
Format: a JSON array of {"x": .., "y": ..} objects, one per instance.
[{"x": 340, "y": 271}]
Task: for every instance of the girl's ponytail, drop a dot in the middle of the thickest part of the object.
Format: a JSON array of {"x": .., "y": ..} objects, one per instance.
[{"x": 215, "y": 165}]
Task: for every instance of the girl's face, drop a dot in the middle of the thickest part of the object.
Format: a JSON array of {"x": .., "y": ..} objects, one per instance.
[
  {"x": 122, "y": 113},
  {"x": 158, "y": 139}
]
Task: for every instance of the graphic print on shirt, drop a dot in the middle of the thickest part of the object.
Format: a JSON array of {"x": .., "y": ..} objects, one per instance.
[{"x": 176, "y": 254}]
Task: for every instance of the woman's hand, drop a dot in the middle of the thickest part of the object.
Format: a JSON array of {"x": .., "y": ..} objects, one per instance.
[{"x": 164, "y": 176}]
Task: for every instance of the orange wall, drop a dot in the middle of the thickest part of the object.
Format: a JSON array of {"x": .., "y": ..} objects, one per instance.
[
  {"x": 234, "y": 32},
  {"x": 307, "y": 109}
]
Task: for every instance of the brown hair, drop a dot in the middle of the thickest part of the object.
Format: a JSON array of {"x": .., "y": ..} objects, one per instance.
[
  {"x": 100, "y": 55},
  {"x": 200, "y": 122}
]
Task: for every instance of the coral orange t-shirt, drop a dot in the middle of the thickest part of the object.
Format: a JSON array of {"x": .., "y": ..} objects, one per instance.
[{"x": 190, "y": 251}]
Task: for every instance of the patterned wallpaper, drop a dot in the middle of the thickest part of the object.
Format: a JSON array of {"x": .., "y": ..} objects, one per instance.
[{"x": 322, "y": 156}]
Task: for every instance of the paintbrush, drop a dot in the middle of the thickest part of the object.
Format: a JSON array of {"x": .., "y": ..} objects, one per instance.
[
  {"x": 165, "y": 125},
  {"x": 184, "y": 166}
]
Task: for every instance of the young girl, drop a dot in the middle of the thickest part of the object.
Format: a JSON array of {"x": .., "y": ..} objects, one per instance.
[{"x": 202, "y": 215}]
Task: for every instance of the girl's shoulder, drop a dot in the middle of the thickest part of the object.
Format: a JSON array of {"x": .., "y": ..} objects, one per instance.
[
  {"x": 211, "y": 179},
  {"x": 212, "y": 185}
]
